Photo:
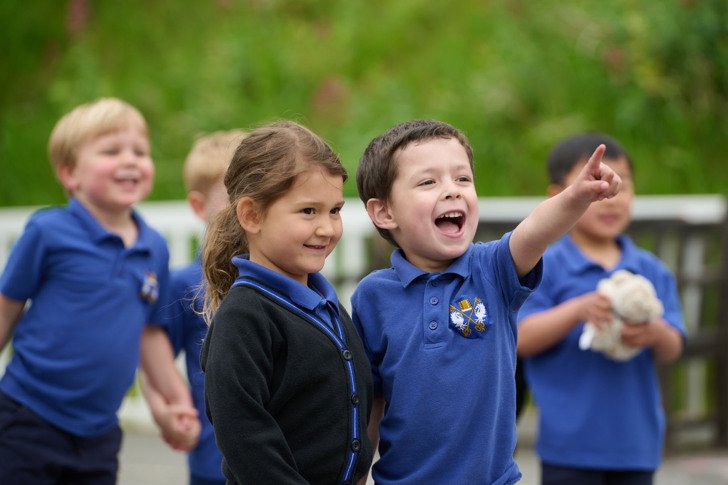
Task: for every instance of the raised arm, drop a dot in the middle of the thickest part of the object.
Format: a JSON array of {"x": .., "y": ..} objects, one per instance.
[{"x": 553, "y": 217}]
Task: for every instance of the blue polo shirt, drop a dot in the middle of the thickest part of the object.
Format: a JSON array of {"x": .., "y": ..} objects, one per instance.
[
  {"x": 319, "y": 297},
  {"x": 451, "y": 398},
  {"x": 596, "y": 412},
  {"x": 187, "y": 330},
  {"x": 76, "y": 348}
]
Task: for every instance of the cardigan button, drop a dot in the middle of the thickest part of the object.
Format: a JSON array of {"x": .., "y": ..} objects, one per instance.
[
  {"x": 355, "y": 445},
  {"x": 346, "y": 354},
  {"x": 355, "y": 399}
]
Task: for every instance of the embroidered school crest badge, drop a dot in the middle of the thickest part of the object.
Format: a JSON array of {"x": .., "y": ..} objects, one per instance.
[
  {"x": 150, "y": 287},
  {"x": 468, "y": 319}
]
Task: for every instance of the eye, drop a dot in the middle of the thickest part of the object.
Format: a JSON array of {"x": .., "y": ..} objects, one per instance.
[
  {"x": 464, "y": 178},
  {"x": 140, "y": 152},
  {"x": 426, "y": 182},
  {"x": 335, "y": 210},
  {"x": 308, "y": 210}
]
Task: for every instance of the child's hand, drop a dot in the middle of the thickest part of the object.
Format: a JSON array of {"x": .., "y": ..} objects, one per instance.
[
  {"x": 597, "y": 181},
  {"x": 643, "y": 334},
  {"x": 179, "y": 425},
  {"x": 593, "y": 307}
]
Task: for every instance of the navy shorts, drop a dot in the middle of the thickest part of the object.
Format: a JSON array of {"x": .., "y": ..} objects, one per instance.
[
  {"x": 564, "y": 475},
  {"x": 34, "y": 451}
]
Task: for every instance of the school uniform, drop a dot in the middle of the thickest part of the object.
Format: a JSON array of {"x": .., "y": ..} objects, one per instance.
[
  {"x": 442, "y": 348},
  {"x": 287, "y": 382},
  {"x": 596, "y": 412},
  {"x": 76, "y": 347},
  {"x": 187, "y": 330}
]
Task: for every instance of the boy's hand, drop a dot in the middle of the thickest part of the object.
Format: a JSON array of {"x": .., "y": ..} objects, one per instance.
[
  {"x": 643, "y": 334},
  {"x": 593, "y": 307},
  {"x": 179, "y": 425},
  {"x": 597, "y": 181}
]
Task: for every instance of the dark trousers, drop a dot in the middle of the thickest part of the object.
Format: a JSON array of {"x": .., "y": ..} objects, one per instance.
[
  {"x": 34, "y": 451},
  {"x": 195, "y": 480},
  {"x": 562, "y": 475}
]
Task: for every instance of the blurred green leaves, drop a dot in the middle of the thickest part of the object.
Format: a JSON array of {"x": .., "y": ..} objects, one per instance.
[{"x": 516, "y": 76}]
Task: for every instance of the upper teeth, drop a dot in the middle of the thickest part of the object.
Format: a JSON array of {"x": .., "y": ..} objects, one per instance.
[{"x": 451, "y": 214}]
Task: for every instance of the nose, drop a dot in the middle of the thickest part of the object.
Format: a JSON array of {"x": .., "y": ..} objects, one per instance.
[
  {"x": 325, "y": 228},
  {"x": 452, "y": 191},
  {"x": 129, "y": 157}
]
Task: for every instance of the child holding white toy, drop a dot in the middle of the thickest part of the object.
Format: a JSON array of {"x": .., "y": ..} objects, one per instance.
[{"x": 600, "y": 413}]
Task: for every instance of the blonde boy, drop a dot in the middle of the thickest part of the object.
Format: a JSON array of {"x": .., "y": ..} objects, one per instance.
[{"x": 95, "y": 275}]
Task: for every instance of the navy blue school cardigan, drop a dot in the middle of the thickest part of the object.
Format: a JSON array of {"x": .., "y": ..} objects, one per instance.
[{"x": 288, "y": 397}]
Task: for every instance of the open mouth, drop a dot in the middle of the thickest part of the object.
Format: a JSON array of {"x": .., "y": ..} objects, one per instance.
[
  {"x": 450, "y": 222},
  {"x": 127, "y": 180},
  {"x": 317, "y": 247}
]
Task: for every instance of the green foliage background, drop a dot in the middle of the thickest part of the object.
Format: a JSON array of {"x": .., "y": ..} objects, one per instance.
[{"x": 515, "y": 76}]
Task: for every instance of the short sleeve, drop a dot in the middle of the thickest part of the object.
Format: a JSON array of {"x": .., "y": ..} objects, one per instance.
[
  {"x": 24, "y": 269},
  {"x": 373, "y": 360}
]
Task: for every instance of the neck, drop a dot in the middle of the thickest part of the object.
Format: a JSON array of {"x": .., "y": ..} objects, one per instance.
[{"x": 605, "y": 252}]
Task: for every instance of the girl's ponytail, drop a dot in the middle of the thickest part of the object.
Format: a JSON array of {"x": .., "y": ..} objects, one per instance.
[{"x": 223, "y": 240}]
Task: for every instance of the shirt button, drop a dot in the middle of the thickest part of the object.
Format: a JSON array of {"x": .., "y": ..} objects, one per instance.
[
  {"x": 434, "y": 300},
  {"x": 346, "y": 354},
  {"x": 355, "y": 445},
  {"x": 435, "y": 283},
  {"x": 355, "y": 399},
  {"x": 433, "y": 325}
]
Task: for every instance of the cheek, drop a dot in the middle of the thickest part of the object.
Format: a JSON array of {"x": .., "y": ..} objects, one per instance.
[
  {"x": 338, "y": 231},
  {"x": 149, "y": 171},
  {"x": 589, "y": 216}
]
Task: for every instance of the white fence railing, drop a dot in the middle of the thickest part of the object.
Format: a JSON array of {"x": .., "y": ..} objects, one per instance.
[{"x": 351, "y": 258}]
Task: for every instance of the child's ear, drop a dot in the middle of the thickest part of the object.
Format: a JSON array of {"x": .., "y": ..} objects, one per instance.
[
  {"x": 196, "y": 200},
  {"x": 380, "y": 214},
  {"x": 554, "y": 189},
  {"x": 249, "y": 215},
  {"x": 65, "y": 175}
]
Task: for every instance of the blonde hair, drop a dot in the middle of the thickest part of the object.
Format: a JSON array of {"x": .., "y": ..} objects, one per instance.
[
  {"x": 209, "y": 158},
  {"x": 264, "y": 167},
  {"x": 87, "y": 121}
]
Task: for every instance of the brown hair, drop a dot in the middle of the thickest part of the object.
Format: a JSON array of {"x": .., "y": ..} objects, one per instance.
[
  {"x": 264, "y": 167},
  {"x": 209, "y": 158},
  {"x": 377, "y": 169},
  {"x": 87, "y": 121},
  {"x": 577, "y": 149}
]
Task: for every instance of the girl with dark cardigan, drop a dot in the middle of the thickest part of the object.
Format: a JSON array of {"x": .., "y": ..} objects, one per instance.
[{"x": 287, "y": 382}]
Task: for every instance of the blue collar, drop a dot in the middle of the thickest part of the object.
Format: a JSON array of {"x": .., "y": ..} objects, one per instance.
[
  {"x": 578, "y": 263},
  {"x": 318, "y": 292},
  {"x": 408, "y": 272},
  {"x": 99, "y": 233}
]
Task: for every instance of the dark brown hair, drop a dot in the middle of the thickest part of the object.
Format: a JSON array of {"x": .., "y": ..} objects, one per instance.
[
  {"x": 377, "y": 168},
  {"x": 577, "y": 149}
]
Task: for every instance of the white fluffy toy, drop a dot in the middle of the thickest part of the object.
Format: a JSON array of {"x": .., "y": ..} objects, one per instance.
[{"x": 634, "y": 300}]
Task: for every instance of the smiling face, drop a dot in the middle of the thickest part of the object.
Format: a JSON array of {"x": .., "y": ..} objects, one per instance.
[
  {"x": 432, "y": 211},
  {"x": 300, "y": 229},
  {"x": 604, "y": 220},
  {"x": 112, "y": 172}
]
